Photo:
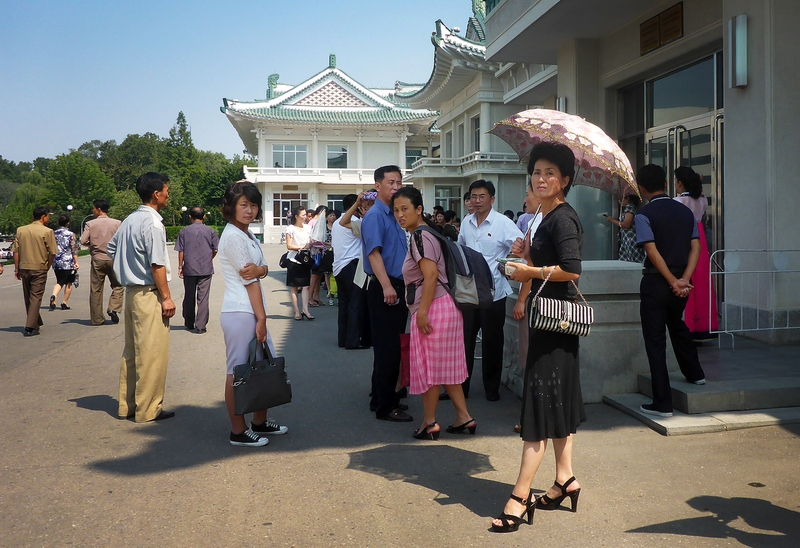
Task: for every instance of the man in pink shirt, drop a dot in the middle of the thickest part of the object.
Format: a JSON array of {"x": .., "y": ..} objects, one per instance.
[{"x": 96, "y": 236}]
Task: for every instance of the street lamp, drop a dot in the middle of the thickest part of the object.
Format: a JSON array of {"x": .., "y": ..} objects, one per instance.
[
  {"x": 183, "y": 212},
  {"x": 69, "y": 208}
]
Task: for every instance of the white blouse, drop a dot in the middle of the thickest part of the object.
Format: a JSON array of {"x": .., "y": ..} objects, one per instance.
[
  {"x": 300, "y": 237},
  {"x": 236, "y": 249}
]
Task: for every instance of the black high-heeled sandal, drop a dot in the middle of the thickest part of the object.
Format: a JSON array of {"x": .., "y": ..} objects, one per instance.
[
  {"x": 306, "y": 316},
  {"x": 511, "y": 522},
  {"x": 470, "y": 425},
  {"x": 424, "y": 434},
  {"x": 546, "y": 503}
]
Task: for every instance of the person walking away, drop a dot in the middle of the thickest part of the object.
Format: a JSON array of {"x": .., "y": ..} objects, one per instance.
[
  {"x": 384, "y": 245},
  {"x": 699, "y": 316},
  {"x": 298, "y": 275},
  {"x": 552, "y": 403},
  {"x": 668, "y": 232},
  {"x": 196, "y": 247},
  {"x": 65, "y": 264},
  {"x": 141, "y": 264},
  {"x": 491, "y": 234},
  {"x": 34, "y": 251},
  {"x": 628, "y": 250},
  {"x": 244, "y": 309},
  {"x": 437, "y": 357},
  {"x": 346, "y": 255},
  {"x": 96, "y": 235}
]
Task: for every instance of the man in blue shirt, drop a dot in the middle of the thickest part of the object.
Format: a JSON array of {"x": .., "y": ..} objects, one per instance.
[
  {"x": 668, "y": 233},
  {"x": 385, "y": 247}
]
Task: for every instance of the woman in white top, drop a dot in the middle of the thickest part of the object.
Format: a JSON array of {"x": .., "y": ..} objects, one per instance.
[
  {"x": 298, "y": 237},
  {"x": 244, "y": 315}
]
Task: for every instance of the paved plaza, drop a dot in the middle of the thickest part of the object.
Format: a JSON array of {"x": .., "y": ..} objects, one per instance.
[{"x": 74, "y": 475}]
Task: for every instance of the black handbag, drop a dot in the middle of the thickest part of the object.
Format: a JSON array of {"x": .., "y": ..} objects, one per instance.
[
  {"x": 304, "y": 257},
  {"x": 284, "y": 261},
  {"x": 561, "y": 316},
  {"x": 260, "y": 385}
]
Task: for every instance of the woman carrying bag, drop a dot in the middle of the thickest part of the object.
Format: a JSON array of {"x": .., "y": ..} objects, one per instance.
[
  {"x": 298, "y": 268},
  {"x": 244, "y": 315}
]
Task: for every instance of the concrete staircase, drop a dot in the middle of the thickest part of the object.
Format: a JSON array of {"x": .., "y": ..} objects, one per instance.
[{"x": 719, "y": 405}]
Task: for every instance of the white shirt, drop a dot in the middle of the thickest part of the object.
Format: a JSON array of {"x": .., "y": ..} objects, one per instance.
[
  {"x": 493, "y": 239},
  {"x": 346, "y": 247},
  {"x": 300, "y": 236},
  {"x": 236, "y": 249}
]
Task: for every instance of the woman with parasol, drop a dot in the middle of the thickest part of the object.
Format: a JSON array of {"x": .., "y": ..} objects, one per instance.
[{"x": 552, "y": 405}]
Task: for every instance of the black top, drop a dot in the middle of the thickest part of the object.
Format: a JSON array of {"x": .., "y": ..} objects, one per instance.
[
  {"x": 558, "y": 242},
  {"x": 670, "y": 225},
  {"x": 449, "y": 231}
]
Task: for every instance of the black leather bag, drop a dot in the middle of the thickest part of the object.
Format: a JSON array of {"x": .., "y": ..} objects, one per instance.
[
  {"x": 304, "y": 257},
  {"x": 262, "y": 384},
  {"x": 284, "y": 261}
]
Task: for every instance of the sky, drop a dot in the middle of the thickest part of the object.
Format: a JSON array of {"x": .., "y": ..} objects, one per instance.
[{"x": 72, "y": 71}]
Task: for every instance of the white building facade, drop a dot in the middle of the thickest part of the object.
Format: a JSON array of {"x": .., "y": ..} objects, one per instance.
[
  {"x": 321, "y": 140},
  {"x": 469, "y": 98}
]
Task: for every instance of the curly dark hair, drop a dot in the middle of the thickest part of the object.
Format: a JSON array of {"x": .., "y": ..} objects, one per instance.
[{"x": 236, "y": 190}]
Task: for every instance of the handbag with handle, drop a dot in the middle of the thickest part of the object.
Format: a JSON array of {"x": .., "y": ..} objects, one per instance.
[
  {"x": 561, "y": 316},
  {"x": 260, "y": 384}
]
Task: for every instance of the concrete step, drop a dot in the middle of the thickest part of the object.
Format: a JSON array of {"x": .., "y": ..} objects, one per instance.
[
  {"x": 682, "y": 424},
  {"x": 729, "y": 395}
]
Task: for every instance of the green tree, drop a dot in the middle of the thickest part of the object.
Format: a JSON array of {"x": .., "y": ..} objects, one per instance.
[
  {"x": 20, "y": 211},
  {"x": 72, "y": 179},
  {"x": 125, "y": 203}
]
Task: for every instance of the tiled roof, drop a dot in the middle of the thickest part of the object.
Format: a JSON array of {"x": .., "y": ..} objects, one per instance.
[{"x": 348, "y": 116}]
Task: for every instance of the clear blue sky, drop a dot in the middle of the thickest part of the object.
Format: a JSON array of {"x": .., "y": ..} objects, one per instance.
[{"x": 75, "y": 71}]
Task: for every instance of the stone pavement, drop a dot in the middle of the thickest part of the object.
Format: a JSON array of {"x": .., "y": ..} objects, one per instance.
[{"x": 72, "y": 474}]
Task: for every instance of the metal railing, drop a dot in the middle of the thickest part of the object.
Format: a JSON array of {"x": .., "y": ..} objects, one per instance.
[
  {"x": 758, "y": 289},
  {"x": 340, "y": 174},
  {"x": 468, "y": 162}
]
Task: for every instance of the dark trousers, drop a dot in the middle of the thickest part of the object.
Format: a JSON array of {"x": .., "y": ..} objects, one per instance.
[
  {"x": 490, "y": 322},
  {"x": 659, "y": 308},
  {"x": 349, "y": 306},
  {"x": 33, "y": 282},
  {"x": 388, "y": 322},
  {"x": 196, "y": 290}
]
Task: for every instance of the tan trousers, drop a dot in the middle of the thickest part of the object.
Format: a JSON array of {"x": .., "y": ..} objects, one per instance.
[
  {"x": 101, "y": 269},
  {"x": 33, "y": 282},
  {"x": 143, "y": 374}
]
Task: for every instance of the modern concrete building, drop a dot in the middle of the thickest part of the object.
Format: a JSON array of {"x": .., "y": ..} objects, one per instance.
[
  {"x": 712, "y": 84},
  {"x": 469, "y": 98},
  {"x": 321, "y": 140}
]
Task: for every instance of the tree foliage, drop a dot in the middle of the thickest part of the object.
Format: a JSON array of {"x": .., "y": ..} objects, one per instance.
[{"x": 105, "y": 169}]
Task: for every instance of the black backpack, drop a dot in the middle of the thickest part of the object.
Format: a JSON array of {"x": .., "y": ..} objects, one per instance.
[{"x": 471, "y": 283}]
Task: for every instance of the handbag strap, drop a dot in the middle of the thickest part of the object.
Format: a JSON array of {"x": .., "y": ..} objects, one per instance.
[
  {"x": 264, "y": 347},
  {"x": 548, "y": 277}
]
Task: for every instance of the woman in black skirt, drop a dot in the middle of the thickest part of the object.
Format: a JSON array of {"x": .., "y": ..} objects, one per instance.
[
  {"x": 552, "y": 406},
  {"x": 298, "y": 275}
]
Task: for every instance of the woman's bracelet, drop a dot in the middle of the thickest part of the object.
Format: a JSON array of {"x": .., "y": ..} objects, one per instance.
[
  {"x": 541, "y": 272},
  {"x": 266, "y": 271}
]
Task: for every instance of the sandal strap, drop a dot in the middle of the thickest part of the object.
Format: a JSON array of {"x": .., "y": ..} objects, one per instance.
[
  {"x": 566, "y": 484},
  {"x": 520, "y": 500}
]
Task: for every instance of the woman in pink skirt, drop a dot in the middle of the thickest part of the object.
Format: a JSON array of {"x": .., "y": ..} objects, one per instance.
[
  {"x": 701, "y": 308},
  {"x": 437, "y": 355}
]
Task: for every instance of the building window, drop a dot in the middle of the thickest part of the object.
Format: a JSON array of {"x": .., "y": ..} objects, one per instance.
[
  {"x": 476, "y": 134},
  {"x": 282, "y": 205},
  {"x": 448, "y": 144},
  {"x": 336, "y": 201},
  {"x": 289, "y": 156},
  {"x": 337, "y": 157},
  {"x": 449, "y": 197},
  {"x": 461, "y": 136},
  {"x": 412, "y": 156}
]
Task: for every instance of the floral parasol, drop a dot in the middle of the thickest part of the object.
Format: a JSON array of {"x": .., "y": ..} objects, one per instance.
[{"x": 599, "y": 162}]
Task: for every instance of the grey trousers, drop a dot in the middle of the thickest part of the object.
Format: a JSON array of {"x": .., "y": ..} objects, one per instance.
[{"x": 196, "y": 290}]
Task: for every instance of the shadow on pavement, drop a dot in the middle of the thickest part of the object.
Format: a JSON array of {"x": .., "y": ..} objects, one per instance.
[
  {"x": 441, "y": 468},
  {"x": 100, "y": 402},
  {"x": 14, "y": 329},
  {"x": 80, "y": 321},
  {"x": 752, "y": 522}
]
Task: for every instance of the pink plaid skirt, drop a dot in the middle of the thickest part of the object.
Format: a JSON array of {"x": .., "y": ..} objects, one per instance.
[{"x": 438, "y": 358}]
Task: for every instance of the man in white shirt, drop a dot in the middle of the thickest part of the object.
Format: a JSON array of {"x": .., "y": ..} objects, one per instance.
[
  {"x": 492, "y": 235},
  {"x": 141, "y": 264},
  {"x": 346, "y": 254}
]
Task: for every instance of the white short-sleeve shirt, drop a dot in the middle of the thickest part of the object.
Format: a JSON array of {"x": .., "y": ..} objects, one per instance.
[{"x": 236, "y": 249}]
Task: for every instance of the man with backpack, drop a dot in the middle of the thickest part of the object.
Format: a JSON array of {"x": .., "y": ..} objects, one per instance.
[{"x": 492, "y": 235}]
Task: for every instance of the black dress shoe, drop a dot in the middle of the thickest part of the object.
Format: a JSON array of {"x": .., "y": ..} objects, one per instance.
[
  {"x": 114, "y": 316},
  {"x": 492, "y": 396},
  {"x": 164, "y": 415},
  {"x": 397, "y": 416}
]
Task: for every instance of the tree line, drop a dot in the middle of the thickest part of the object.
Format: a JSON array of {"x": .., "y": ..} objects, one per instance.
[{"x": 109, "y": 170}]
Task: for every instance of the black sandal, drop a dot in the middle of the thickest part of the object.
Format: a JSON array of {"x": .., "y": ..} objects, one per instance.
[
  {"x": 510, "y": 522},
  {"x": 546, "y": 503}
]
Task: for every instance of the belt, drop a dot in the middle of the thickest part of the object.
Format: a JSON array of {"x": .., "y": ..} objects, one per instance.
[
  {"x": 374, "y": 278},
  {"x": 653, "y": 270}
]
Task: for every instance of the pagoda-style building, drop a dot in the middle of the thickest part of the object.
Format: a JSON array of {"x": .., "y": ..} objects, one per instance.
[{"x": 321, "y": 140}]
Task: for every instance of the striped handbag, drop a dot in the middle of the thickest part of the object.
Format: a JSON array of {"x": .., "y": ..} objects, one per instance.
[{"x": 561, "y": 316}]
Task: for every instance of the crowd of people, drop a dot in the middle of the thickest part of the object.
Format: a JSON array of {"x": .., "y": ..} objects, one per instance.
[{"x": 385, "y": 256}]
